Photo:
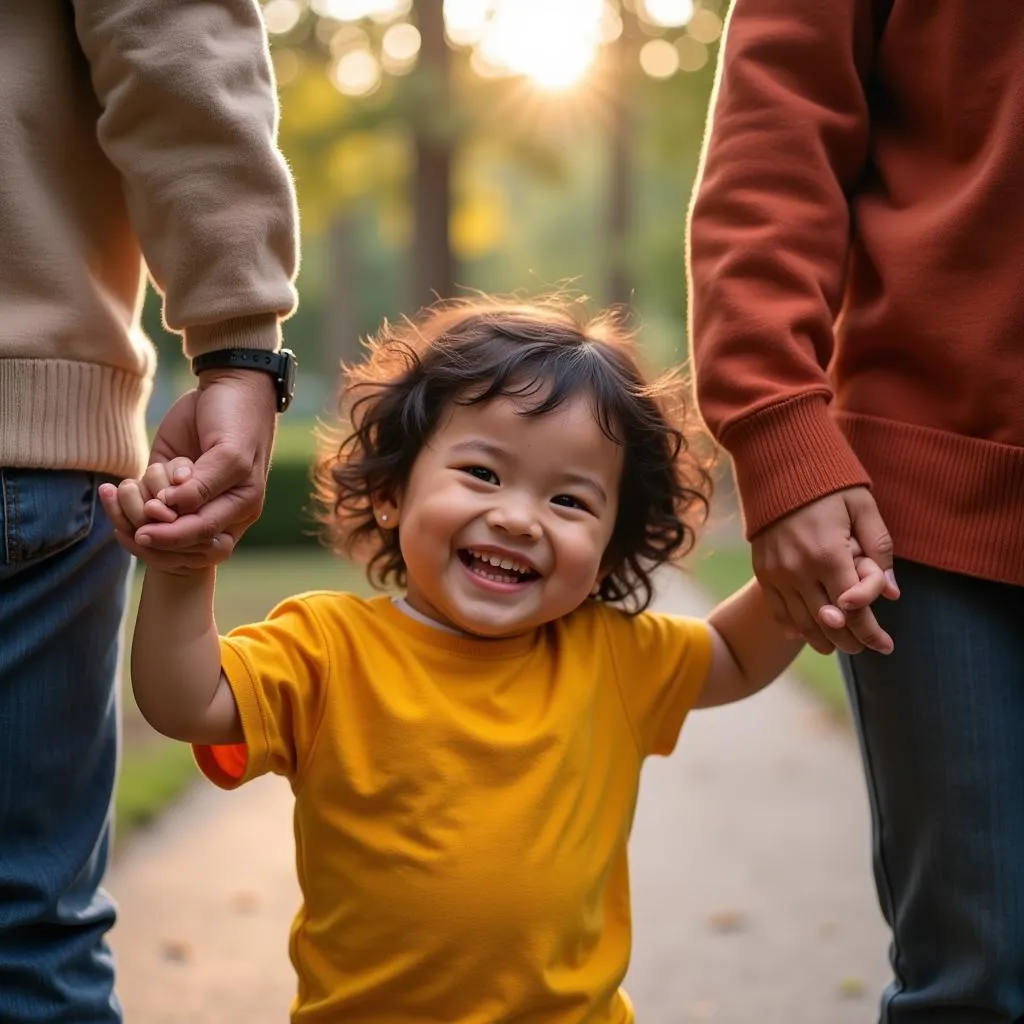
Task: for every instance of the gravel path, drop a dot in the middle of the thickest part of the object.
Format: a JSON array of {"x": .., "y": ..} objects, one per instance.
[{"x": 751, "y": 881}]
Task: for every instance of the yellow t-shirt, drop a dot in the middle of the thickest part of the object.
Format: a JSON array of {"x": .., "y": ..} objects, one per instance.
[{"x": 462, "y": 806}]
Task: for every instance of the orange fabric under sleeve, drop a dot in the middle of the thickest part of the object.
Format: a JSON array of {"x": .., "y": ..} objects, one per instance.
[{"x": 278, "y": 671}]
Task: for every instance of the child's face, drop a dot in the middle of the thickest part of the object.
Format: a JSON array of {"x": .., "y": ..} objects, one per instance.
[{"x": 536, "y": 494}]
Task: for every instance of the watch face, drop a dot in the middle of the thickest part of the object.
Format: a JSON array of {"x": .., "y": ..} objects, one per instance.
[{"x": 288, "y": 378}]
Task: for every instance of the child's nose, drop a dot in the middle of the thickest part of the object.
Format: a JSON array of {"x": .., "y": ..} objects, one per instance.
[{"x": 516, "y": 518}]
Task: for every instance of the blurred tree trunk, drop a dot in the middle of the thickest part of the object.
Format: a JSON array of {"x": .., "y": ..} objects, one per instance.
[
  {"x": 619, "y": 225},
  {"x": 340, "y": 334},
  {"x": 433, "y": 272}
]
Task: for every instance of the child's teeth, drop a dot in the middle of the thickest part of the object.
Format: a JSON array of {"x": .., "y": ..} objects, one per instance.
[{"x": 507, "y": 564}]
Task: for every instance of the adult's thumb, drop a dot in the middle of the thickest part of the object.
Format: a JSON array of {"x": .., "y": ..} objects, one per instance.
[
  {"x": 214, "y": 472},
  {"x": 869, "y": 528}
]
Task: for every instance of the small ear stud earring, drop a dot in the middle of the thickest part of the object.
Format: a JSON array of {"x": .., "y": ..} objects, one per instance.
[{"x": 384, "y": 517}]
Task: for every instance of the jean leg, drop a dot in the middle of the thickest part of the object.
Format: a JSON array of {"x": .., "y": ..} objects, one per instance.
[
  {"x": 62, "y": 595},
  {"x": 941, "y": 727}
]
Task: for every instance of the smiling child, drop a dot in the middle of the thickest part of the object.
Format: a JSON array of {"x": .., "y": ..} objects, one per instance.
[{"x": 465, "y": 752}]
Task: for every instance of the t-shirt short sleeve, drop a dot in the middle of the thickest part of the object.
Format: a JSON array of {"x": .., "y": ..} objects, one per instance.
[
  {"x": 662, "y": 662},
  {"x": 278, "y": 671}
]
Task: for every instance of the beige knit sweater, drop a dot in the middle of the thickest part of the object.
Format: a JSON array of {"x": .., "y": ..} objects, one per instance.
[{"x": 130, "y": 131}]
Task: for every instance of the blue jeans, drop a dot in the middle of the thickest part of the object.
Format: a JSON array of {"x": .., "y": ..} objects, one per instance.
[
  {"x": 62, "y": 595},
  {"x": 941, "y": 724}
]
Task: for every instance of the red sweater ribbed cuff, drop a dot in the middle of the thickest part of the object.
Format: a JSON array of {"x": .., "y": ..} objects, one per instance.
[{"x": 788, "y": 455}]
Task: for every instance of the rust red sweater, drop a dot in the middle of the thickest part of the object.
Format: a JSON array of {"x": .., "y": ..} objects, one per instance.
[{"x": 857, "y": 268}]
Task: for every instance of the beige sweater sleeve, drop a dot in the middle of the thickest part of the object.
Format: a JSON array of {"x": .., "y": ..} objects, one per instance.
[{"x": 189, "y": 118}]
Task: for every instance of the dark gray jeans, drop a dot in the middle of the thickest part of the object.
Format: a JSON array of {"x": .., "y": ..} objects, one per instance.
[{"x": 941, "y": 725}]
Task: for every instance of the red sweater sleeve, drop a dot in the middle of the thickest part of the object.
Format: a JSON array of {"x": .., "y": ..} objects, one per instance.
[{"x": 768, "y": 238}]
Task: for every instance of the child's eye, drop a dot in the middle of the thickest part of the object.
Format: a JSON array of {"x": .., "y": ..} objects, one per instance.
[
  {"x": 568, "y": 501},
  {"x": 481, "y": 473}
]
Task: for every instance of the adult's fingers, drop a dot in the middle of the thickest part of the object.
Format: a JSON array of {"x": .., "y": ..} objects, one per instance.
[
  {"x": 222, "y": 544},
  {"x": 805, "y": 625},
  {"x": 230, "y": 513},
  {"x": 868, "y": 527},
  {"x": 200, "y": 557},
  {"x": 806, "y": 556},
  {"x": 216, "y": 471},
  {"x": 777, "y": 606}
]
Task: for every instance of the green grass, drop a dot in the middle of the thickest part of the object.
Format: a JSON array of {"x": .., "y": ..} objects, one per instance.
[
  {"x": 295, "y": 439},
  {"x": 155, "y": 771},
  {"x": 722, "y": 571},
  {"x": 153, "y": 776}
]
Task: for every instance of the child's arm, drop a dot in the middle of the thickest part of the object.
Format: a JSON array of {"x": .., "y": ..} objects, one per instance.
[
  {"x": 175, "y": 662},
  {"x": 749, "y": 648},
  {"x": 176, "y": 675}
]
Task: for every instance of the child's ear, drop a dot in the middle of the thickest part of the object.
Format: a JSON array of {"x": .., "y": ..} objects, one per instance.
[{"x": 385, "y": 511}]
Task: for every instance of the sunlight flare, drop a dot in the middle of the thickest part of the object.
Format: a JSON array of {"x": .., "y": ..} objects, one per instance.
[{"x": 552, "y": 44}]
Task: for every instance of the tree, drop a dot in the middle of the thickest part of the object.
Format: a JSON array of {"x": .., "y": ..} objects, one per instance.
[
  {"x": 439, "y": 89},
  {"x": 433, "y": 272}
]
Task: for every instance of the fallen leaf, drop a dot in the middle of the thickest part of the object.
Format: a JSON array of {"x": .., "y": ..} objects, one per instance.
[
  {"x": 820, "y": 720},
  {"x": 726, "y": 921},
  {"x": 176, "y": 950},
  {"x": 245, "y": 902},
  {"x": 851, "y": 988}
]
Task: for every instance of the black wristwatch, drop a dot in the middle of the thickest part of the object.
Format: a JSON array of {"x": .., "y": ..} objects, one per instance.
[{"x": 280, "y": 365}]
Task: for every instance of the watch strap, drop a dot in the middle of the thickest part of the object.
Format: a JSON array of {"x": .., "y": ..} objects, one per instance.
[
  {"x": 238, "y": 358},
  {"x": 280, "y": 365}
]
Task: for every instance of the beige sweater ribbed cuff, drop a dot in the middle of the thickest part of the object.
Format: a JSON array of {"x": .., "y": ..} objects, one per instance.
[{"x": 59, "y": 414}]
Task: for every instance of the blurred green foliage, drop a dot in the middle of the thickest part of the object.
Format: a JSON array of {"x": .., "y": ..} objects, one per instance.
[
  {"x": 530, "y": 184},
  {"x": 288, "y": 517}
]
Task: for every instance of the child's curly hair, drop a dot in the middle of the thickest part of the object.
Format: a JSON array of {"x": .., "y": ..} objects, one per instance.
[{"x": 541, "y": 354}]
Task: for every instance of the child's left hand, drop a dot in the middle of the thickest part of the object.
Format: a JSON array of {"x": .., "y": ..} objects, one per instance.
[{"x": 872, "y": 585}]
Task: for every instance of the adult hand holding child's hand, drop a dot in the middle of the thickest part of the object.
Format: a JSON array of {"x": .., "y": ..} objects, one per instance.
[
  {"x": 210, "y": 458},
  {"x": 807, "y": 564},
  {"x": 137, "y": 503}
]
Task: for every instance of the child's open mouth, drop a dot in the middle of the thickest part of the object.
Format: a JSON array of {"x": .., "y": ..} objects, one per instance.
[{"x": 497, "y": 568}]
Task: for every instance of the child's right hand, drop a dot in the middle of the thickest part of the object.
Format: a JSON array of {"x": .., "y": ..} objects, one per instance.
[
  {"x": 134, "y": 503},
  {"x": 137, "y": 500}
]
